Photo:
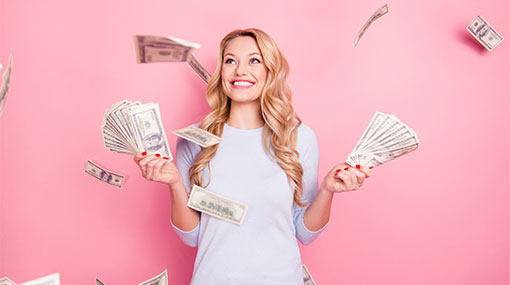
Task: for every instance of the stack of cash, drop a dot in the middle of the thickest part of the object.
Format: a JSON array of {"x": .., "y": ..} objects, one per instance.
[
  {"x": 484, "y": 33},
  {"x": 385, "y": 138},
  {"x": 132, "y": 127}
]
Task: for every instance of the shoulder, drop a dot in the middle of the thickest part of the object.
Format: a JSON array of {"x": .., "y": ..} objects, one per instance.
[{"x": 306, "y": 134}]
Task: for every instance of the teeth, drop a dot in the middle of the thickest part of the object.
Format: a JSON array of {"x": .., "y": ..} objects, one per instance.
[{"x": 242, "y": 83}]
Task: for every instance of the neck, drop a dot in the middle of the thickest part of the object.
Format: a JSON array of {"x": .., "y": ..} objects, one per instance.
[{"x": 245, "y": 115}]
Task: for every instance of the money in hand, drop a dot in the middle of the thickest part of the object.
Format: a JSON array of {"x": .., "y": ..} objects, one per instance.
[
  {"x": 307, "y": 277},
  {"x": 53, "y": 279},
  {"x": 162, "y": 49},
  {"x": 6, "y": 281},
  {"x": 484, "y": 33},
  {"x": 385, "y": 139},
  {"x": 198, "y": 136},
  {"x": 104, "y": 175},
  {"x": 5, "y": 84},
  {"x": 161, "y": 279},
  {"x": 378, "y": 14},
  {"x": 130, "y": 127},
  {"x": 217, "y": 206}
]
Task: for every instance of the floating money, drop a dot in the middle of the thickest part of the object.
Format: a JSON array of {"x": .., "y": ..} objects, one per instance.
[
  {"x": 213, "y": 204},
  {"x": 132, "y": 127},
  {"x": 484, "y": 33},
  {"x": 198, "y": 136},
  {"x": 385, "y": 139},
  {"x": 162, "y": 49},
  {"x": 53, "y": 279},
  {"x": 199, "y": 69},
  {"x": 99, "y": 282},
  {"x": 161, "y": 279},
  {"x": 378, "y": 14},
  {"x": 307, "y": 277},
  {"x": 104, "y": 175},
  {"x": 5, "y": 84},
  {"x": 6, "y": 280}
]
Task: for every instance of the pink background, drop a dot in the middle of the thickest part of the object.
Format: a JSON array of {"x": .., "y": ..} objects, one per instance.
[{"x": 436, "y": 216}]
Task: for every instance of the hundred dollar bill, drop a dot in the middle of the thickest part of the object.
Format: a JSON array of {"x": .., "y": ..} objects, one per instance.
[
  {"x": 162, "y": 49},
  {"x": 199, "y": 69},
  {"x": 217, "y": 206},
  {"x": 53, "y": 279},
  {"x": 307, "y": 277},
  {"x": 5, "y": 84},
  {"x": 378, "y": 14},
  {"x": 99, "y": 282},
  {"x": 106, "y": 176},
  {"x": 150, "y": 134},
  {"x": 161, "y": 279},
  {"x": 484, "y": 33},
  {"x": 6, "y": 280},
  {"x": 198, "y": 136}
]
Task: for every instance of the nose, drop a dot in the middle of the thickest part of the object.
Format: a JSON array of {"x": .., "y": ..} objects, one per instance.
[{"x": 241, "y": 69}]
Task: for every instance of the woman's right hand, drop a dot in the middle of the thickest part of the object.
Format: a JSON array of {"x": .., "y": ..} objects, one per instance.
[{"x": 157, "y": 168}]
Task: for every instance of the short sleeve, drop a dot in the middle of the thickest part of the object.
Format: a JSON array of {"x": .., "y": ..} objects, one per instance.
[
  {"x": 185, "y": 155},
  {"x": 308, "y": 149}
]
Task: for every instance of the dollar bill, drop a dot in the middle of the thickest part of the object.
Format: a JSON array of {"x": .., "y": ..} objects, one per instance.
[
  {"x": 5, "y": 84},
  {"x": 53, "y": 279},
  {"x": 378, "y": 14},
  {"x": 217, "y": 206},
  {"x": 6, "y": 280},
  {"x": 307, "y": 277},
  {"x": 198, "y": 136},
  {"x": 199, "y": 69},
  {"x": 484, "y": 33},
  {"x": 104, "y": 175},
  {"x": 162, "y": 49},
  {"x": 161, "y": 279},
  {"x": 99, "y": 282}
]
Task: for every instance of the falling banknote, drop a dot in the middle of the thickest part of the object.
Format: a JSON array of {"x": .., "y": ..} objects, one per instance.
[
  {"x": 198, "y": 136},
  {"x": 378, "y": 14},
  {"x": 104, "y": 175},
  {"x": 5, "y": 84},
  {"x": 307, "y": 277},
  {"x": 161, "y": 279},
  {"x": 53, "y": 279},
  {"x": 484, "y": 33},
  {"x": 99, "y": 282},
  {"x": 6, "y": 281},
  {"x": 385, "y": 139},
  {"x": 199, "y": 69},
  {"x": 214, "y": 205}
]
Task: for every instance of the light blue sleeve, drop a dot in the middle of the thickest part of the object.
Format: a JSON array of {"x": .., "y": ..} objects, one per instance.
[
  {"x": 308, "y": 148},
  {"x": 184, "y": 157}
]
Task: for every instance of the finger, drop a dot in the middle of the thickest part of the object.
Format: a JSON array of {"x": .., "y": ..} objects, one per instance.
[
  {"x": 156, "y": 172},
  {"x": 360, "y": 176},
  {"x": 150, "y": 167},
  {"x": 139, "y": 156},
  {"x": 351, "y": 172},
  {"x": 344, "y": 176},
  {"x": 365, "y": 170}
]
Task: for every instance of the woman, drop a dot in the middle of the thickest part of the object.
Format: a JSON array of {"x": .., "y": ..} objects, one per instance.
[{"x": 267, "y": 160}]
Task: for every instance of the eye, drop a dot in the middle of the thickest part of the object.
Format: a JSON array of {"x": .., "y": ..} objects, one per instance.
[
  {"x": 254, "y": 60},
  {"x": 229, "y": 61}
]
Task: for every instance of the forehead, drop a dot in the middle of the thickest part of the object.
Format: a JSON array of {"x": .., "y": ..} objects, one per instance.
[{"x": 242, "y": 45}]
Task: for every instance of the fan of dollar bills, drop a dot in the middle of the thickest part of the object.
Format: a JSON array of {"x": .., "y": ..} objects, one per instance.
[
  {"x": 132, "y": 127},
  {"x": 385, "y": 139}
]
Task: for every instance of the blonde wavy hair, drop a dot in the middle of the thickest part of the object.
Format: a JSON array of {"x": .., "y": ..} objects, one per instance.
[{"x": 281, "y": 122}]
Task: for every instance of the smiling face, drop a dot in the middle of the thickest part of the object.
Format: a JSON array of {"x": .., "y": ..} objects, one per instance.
[{"x": 243, "y": 71}]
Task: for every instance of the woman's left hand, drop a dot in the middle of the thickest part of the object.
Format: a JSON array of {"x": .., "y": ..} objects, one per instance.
[{"x": 344, "y": 177}]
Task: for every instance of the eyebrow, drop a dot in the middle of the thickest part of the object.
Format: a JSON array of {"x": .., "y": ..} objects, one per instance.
[{"x": 231, "y": 54}]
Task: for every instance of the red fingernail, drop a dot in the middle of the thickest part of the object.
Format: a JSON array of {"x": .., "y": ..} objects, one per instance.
[
  {"x": 338, "y": 170},
  {"x": 347, "y": 168},
  {"x": 165, "y": 158},
  {"x": 144, "y": 153},
  {"x": 358, "y": 166},
  {"x": 158, "y": 155}
]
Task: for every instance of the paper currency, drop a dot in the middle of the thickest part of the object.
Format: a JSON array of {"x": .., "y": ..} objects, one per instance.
[
  {"x": 307, "y": 277},
  {"x": 378, "y": 14},
  {"x": 213, "y": 204},
  {"x": 5, "y": 84},
  {"x": 99, "y": 282},
  {"x": 130, "y": 127},
  {"x": 104, "y": 175},
  {"x": 6, "y": 280},
  {"x": 199, "y": 69},
  {"x": 161, "y": 279},
  {"x": 162, "y": 49},
  {"x": 53, "y": 279},
  {"x": 198, "y": 136},
  {"x": 484, "y": 33},
  {"x": 385, "y": 139}
]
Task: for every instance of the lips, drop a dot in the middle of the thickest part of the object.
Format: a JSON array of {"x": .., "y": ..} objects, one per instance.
[{"x": 242, "y": 83}]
